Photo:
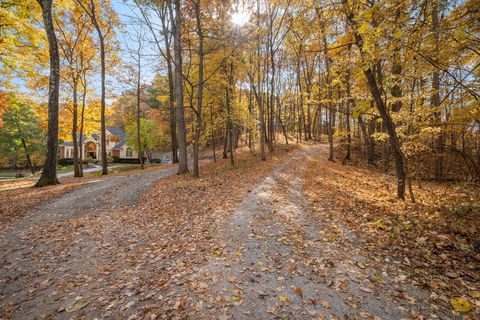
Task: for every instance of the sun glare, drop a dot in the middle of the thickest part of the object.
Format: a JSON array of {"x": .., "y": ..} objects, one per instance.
[{"x": 240, "y": 18}]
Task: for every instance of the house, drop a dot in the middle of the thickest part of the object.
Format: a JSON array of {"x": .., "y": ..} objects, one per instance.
[{"x": 115, "y": 141}]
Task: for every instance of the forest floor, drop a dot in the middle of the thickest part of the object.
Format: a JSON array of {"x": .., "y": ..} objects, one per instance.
[{"x": 294, "y": 237}]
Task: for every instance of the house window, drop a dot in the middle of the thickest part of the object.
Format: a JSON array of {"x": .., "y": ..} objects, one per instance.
[{"x": 129, "y": 152}]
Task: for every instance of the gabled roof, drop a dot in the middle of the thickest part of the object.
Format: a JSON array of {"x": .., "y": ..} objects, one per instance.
[
  {"x": 120, "y": 134},
  {"x": 112, "y": 130},
  {"x": 70, "y": 143}
]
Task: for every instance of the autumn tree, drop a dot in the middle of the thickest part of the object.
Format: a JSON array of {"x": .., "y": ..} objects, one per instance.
[
  {"x": 103, "y": 19},
  {"x": 75, "y": 43}
]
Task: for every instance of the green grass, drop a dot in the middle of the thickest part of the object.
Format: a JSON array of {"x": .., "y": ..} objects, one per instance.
[
  {"x": 8, "y": 174},
  {"x": 64, "y": 169}
]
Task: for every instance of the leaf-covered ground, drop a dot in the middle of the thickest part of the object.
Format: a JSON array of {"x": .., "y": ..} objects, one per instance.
[
  {"x": 16, "y": 197},
  {"x": 19, "y": 195},
  {"x": 432, "y": 243},
  {"x": 294, "y": 237}
]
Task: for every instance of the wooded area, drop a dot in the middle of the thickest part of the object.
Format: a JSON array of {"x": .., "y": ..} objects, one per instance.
[
  {"x": 392, "y": 86},
  {"x": 393, "y": 82}
]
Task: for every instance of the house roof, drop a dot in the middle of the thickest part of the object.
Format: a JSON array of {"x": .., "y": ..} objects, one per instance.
[
  {"x": 120, "y": 134},
  {"x": 70, "y": 143}
]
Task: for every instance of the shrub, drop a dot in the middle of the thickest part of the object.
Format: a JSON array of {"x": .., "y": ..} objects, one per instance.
[{"x": 65, "y": 162}]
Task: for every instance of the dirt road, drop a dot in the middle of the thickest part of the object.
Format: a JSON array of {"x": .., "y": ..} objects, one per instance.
[{"x": 79, "y": 256}]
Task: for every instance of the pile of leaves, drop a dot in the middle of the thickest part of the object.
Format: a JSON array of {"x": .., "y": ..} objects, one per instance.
[{"x": 432, "y": 243}]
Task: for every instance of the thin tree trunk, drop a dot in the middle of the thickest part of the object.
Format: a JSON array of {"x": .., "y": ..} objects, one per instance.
[
  {"x": 225, "y": 141},
  {"x": 196, "y": 172},
  {"x": 347, "y": 119},
  {"x": 213, "y": 133},
  {"x": 387, "y": 120},
  {"x": 90, "y": 10},
  {"x": 390, "y": 126},
  {"x": 436, "y": 95},
  {"x": 229, "y": 98},
  {"x": 330, "y": 98},
  {"x": 27, "y": 155},
  {"x": 82, "y": 122},
  {"x": 139, "y": 138},
  {"x": 76, "y": 165},
  {"x": 271, "y": 102}
]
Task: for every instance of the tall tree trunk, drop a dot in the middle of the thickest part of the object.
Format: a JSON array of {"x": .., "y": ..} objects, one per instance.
[
  {"x": 139, "y": 138},
  {"x": 436, "y": 94},
  {"x": 330, "y": 103},
  {"x": 76, "y": 163},
  {"x": 229, "y": 98},
  {"x": 49, "y": 173},
  {"x": 173, "y": 122},
  {"x": 259, "y": 92},
  {"x": 196, "y": 172},
  {"x": 390, "y": 126},
  {"x": 271, "y": 116},
  {"x": 347, "y": 119},
  {"x": 171, "y": 89},
  {"x": 82, "y": 122},
  {"x": 180, "y": 108},
  {"x": 103, "y": 131}
]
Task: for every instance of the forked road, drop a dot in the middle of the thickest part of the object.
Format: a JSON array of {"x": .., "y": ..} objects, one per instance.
[{"x": 275, "y": 262}]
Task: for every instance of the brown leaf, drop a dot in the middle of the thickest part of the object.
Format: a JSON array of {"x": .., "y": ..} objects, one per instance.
[
  {"x": 366, "y": 290},
  {"x": 325, "y": 304},
  {"x": 299, "y": 292},
  {"x": 79, "y": 303}
]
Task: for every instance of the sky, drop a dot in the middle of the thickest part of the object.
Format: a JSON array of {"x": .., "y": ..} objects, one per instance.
[{"x": 151, "y": 61}]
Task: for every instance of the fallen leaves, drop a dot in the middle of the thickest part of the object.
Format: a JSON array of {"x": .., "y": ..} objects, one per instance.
[
  {"x": 460, "y": 304},
  {"x": 16, "y": 197},
  {"x": 299, "y": 292},
  {"x": 325, "y": 304},
  {"x": 367, "y": 290},
  {"x": 431, "y": 243},
  {"x": 79, "y": 303},
  {"x": 180, "y": 304}
]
